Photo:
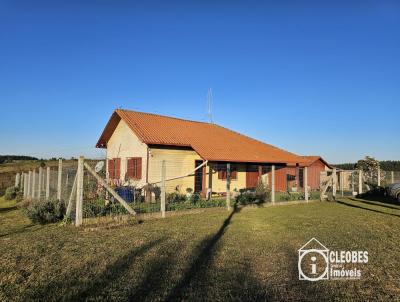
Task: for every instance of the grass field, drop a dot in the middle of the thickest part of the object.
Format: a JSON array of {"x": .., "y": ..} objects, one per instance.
[{"x": 249, "y": 254}]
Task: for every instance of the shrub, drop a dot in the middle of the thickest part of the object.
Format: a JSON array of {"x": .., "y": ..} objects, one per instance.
[
  {"x": 45, "y": 211},
  {"x": 11, "y": 193},
  {"x": 194, "y": 198},
  {"x": 246, "y": 198},
  {"x": 175, "y": 197},
  {"x": 261, "y": 194}
]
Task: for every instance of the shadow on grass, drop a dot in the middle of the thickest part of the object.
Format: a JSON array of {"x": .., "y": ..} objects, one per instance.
[
  {"x": 202, "y": 260},
  {"x": 21, "y": 230},
  {"x": 376, "y": 202},
  {"x": 364, "y": 208},
  {"x": 8, "y": 209},
  {"x": 159, "y": 282}
]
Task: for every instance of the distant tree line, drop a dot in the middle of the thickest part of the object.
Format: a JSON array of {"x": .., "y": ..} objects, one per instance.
[
  {"x": 387, "y": 165},
  {"x": 10, "y": 158}
]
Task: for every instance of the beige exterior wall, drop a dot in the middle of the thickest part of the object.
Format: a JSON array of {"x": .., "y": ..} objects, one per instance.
[
  {"x": 178, "y": 163},
  {"x": 125, "y": 144}
]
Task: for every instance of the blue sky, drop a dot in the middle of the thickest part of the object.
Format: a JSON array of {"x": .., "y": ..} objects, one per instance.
[{"x": 310, "y": 77}]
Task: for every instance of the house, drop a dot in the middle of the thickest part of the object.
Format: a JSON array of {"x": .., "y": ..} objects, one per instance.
[{"x": 137, "y": 143}]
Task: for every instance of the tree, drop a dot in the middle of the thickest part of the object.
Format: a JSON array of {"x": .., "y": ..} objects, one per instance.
[{"x": 369, "y": 167}]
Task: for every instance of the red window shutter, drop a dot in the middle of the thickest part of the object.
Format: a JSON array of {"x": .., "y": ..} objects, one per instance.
[
  {"x": 117, "y": 168},
  {"x": 129, "y": 168},
  {"x": 234, "y": 174},
  {"x": 111, "y": 169},
  {"x": 134, "y": 167},
  {"x": 139, "y": 168}
]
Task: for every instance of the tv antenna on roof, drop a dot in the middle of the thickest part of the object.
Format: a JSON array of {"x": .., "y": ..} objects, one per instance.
[{"x": 209, "y": 102}]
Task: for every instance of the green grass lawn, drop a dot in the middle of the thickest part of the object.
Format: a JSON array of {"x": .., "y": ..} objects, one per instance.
[{"x": 250, "y": 254}]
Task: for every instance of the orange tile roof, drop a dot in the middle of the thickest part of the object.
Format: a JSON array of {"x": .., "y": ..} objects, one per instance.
[{"x": 210, "y": 141}]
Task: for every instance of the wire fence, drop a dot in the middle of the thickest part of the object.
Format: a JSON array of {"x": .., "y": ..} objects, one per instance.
[{"x": 110, "y": 192}]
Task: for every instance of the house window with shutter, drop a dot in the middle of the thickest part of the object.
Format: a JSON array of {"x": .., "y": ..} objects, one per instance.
[
  {"x": 114, "y": 168},
  {"x": 134, "y": 168},
  {"x": 222, "y": 172}
]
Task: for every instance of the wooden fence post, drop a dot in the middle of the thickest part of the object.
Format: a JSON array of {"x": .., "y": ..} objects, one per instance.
[
  {"x": 22, "y": 181},
  {"x": 47, "y": 183},
  {"x": 59, "y": 185},
  {"x": 306, "y": 183},
  {"x": 33, "y": 184},
  {"x": 379, "y": 177},
  {"x": 28, "y": 191},
  {"x": 392, "y": 177},
  {"x": 360, "y": 183},
  {"x": 17, "y": 178},
  {"x": 273, "y": 184},
  {"x": 228, "y": 186},
  {"x": 341, "y": 182},
  {"x": 25, "y": 185},
  {"x": 40, "y": 182},
  {"x": 163, "y": 172},
  {"x": 334, "y": 182},
  {"x": 79, "y": 192}
]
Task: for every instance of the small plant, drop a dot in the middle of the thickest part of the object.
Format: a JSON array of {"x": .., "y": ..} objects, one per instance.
[
  {"x": 45, "y": 211},
  {"x": 262, "y": 193},
  {"x": 189, "y": 190},
  {"x": 11, "y": 193},
  {"x": 157, "y": 192}
]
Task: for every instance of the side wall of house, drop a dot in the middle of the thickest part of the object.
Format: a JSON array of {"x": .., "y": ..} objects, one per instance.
[
  {"x": 178, "y": 162},
  {"x": 125, "y": 144},
  {"x": 314, "y": 174}
]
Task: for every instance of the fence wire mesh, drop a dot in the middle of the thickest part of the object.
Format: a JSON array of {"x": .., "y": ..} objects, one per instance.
[{"x": 189, "y": 184}]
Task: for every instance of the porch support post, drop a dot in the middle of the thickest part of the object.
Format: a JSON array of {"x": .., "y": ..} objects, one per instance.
[
  {"x": 334, "y": 182},
  {"x": 228, "y": 186},
  {"x": 209, "y": 189},
  {"x": 306, "y": 183},
  {"x": 273, "y": 184}
]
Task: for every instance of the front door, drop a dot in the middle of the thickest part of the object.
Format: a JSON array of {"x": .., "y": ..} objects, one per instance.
[
  {"x": 198, "y": 177},
  {"x": 251, "y": 176}
]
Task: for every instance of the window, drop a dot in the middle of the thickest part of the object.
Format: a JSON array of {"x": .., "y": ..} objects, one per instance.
[
  {"x": 134, "y": 168},
  {"x": 114, "y": 168},
  {"x": 222, "y": 171}
]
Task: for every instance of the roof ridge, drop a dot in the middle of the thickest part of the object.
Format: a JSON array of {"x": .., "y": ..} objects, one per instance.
[
  {"x": 256, "y": 140},
  {"x": 166, "y": 116}
]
